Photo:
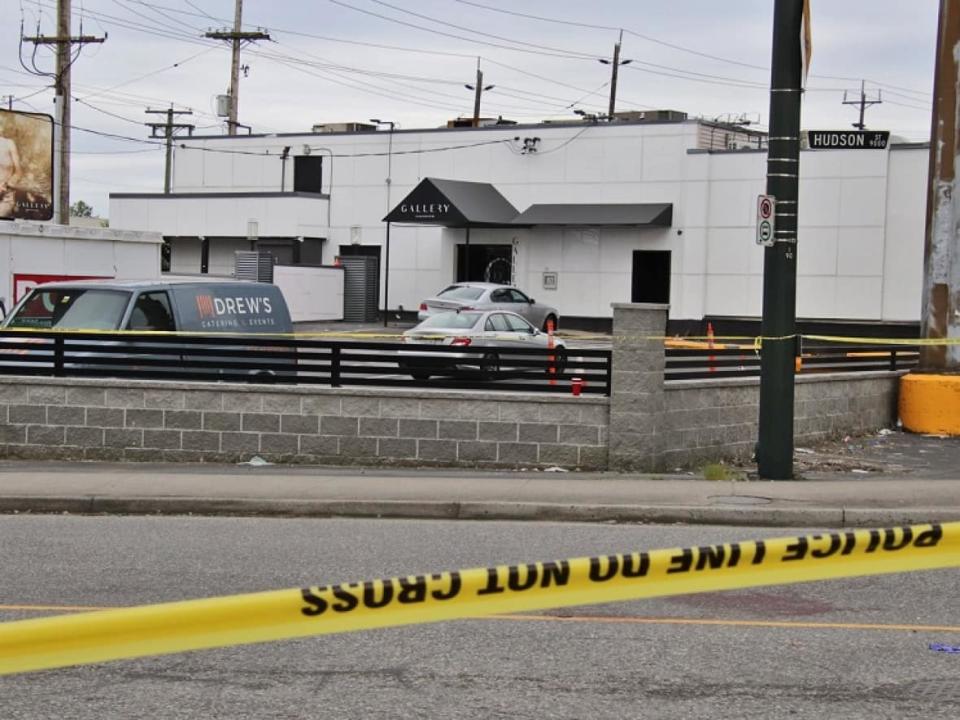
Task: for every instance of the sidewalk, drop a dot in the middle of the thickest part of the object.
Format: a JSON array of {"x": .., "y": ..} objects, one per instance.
[{"x": 875, "y": 481}]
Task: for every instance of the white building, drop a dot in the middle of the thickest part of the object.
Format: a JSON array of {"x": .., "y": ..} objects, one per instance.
[{"x": 683, "y": 231}]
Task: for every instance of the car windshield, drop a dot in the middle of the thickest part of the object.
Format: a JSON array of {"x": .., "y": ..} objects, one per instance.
[
  {"x": 461, "y": 292},
  {"x": 458, "y": 321},
  {"x": 71, "y": 309}
]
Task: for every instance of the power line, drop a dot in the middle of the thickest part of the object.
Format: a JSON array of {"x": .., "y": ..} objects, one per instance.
[
  {"x": 572, "y": 53},
  {"x": 562, "y": 54}
]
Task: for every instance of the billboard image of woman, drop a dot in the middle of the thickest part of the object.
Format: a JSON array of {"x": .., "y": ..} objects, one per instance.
[{"x": 26, "y": 166}]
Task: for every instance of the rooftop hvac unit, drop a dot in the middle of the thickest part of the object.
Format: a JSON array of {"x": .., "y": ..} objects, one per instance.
[{"x": 253, "y": 265}]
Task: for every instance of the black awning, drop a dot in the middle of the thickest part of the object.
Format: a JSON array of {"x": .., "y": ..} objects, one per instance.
[
  {"x": 454, "y": 203},
  {"x": 645, "y": 214}
]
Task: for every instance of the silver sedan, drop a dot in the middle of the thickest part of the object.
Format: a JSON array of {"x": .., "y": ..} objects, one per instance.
[
  {"x": 489, "y": 296},
  {"x": 494, "y": 329}
]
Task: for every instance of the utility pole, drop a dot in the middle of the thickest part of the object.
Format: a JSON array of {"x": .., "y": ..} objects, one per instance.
[
  {"x": 64, "y": 43},
  {"x": 170, "y": 128},
  {"x": 940, "y": 318},
  {"x": 9, "y": 101},
  {"x": 617, "y": 62},
  {"x": 386, "y": 254},
  {"x": 863, "y": 102},
  {"x": 478, "y": 89},
  {"x": 237, "y": 38},
  {"x": 775, "y": 447}
]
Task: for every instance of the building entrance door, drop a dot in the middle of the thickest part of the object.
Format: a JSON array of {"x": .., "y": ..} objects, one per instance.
[
  {"x": 651, "y": 276},
  {"x": 488, "y": 263}
]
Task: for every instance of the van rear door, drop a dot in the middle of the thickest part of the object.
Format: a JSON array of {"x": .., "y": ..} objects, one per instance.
[{"x": 244, "y": 309}]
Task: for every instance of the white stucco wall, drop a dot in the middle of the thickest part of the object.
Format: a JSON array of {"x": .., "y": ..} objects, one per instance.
[
  {"x": 49, "y": 249},
  {"x": 851, "y": 202}
]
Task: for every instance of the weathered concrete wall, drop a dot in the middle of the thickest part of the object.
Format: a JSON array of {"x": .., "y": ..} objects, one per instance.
[
  {"x": 709, "y": 420},
  {"x": 657, "y": 426},
  {"x": 46, "y": 418}
]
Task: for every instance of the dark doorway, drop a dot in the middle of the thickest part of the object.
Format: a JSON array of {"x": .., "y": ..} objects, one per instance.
[
  {"x": 651, "y": 276},
  {"x": 368, "y": 251},
  {"x": 308, "y": 173},
  {"x": 488, "y": 263}
]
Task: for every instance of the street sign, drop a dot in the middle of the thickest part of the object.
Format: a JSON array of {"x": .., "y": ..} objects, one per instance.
[
  {"x": 766, "y": 219},
  {"x": 848, "y": 139}
]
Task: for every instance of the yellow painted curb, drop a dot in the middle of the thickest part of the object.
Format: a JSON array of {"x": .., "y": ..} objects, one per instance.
[{"x": 930, "y": 403}]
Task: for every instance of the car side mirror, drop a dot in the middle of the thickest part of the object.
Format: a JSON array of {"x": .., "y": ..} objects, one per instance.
[{"x": 531, "y": 301}]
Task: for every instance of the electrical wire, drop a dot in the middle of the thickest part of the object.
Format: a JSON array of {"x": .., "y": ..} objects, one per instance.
[{"x": 561, "y": 54}]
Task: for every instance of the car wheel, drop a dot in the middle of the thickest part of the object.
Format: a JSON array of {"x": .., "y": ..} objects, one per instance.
[
  {"x": 490, "y": 366},
  {"x": 547, "y": 320}
]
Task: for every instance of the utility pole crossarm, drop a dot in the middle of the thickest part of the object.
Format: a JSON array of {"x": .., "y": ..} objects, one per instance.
[{"x": 249, "y": 36}]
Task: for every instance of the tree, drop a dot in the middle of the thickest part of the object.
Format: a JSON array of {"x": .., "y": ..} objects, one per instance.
[{"x": 81, "y": 209}]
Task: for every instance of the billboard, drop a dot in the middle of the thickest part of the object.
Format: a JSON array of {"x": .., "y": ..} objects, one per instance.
[{"x": 26, "y": 166}]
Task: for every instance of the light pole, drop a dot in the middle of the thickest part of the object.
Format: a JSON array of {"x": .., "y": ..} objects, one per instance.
[
  {"x": 386, "y": 258},
  {"x": 616, "y": 63}
]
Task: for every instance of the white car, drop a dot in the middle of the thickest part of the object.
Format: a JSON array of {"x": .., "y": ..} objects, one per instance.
[
  {"x": 489, "y": 296},
  {"x": 494, "y": 329}
]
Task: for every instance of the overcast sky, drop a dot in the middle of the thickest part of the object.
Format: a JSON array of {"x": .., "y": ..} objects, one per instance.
[{"x": 408, "y": 60}]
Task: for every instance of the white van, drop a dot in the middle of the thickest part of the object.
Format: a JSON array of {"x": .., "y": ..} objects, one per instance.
[{"x": 208, "y": 306}]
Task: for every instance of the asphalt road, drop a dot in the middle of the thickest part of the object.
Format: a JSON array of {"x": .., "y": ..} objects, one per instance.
[{"x": 852, "y": 649}]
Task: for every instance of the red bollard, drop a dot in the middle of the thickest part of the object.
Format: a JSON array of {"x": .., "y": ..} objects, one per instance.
[{"x": 576, "y": 386}]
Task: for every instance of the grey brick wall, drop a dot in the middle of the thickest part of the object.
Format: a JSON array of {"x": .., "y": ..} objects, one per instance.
[
  {"x": 44, "y": 418},
  {"x": 709, "y": 420},
  {"x": 657, "y": 426},
  {"x": 647, "y": 425}
]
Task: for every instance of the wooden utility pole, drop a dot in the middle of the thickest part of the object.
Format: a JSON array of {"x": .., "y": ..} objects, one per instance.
[
  {"x": 170, "y": 128},
  {"x": 64, "y": 43},
  {"x": 863, "y": 101},
  {"x": 940, "y": 317},
  {"x": 237, "y": 38}
]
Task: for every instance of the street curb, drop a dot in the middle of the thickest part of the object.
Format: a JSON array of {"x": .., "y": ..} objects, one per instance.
[{"x": 519, "y": 511}]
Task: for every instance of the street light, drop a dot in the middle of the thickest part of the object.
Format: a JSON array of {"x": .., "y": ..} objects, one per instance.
[
  {"x": 616, "y": 63},
  {"x": 389, "y": 180}
]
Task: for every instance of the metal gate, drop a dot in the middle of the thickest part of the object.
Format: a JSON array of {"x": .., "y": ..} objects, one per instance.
[{"x": 361, "y": 285}]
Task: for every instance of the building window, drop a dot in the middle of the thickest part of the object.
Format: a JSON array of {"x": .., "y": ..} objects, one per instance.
[{"x": 308, "y": 173}]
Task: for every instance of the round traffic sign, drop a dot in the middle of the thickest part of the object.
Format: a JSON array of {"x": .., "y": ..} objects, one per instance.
[
  {"x": 765, "y": 231},
  {"x": 766, "y": 208}
]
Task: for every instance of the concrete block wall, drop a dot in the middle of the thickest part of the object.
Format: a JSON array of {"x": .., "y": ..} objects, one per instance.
[
  {"x": 657, "y": 425},
  {"x": 709, "y": 420},
  {"x": 47, "y": 418}
]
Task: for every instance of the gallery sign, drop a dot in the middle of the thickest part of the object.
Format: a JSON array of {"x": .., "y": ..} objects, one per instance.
[
  {"x": 26, "y": 166},
  {"x": 848, "y": 139}
]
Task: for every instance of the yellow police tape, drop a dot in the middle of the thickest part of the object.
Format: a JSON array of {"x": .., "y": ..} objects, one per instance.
[{"x": 325, "y": 609}]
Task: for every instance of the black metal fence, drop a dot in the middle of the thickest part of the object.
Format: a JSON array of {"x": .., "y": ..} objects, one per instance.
[
  {"x": 295, "y": 360},
  {"x": 725, "y": 362}
]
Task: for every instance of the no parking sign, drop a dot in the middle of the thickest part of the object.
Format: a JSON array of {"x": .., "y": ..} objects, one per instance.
[{"x": 766, "y": 219}]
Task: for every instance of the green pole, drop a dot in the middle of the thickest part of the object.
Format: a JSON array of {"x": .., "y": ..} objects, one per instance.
[{"x": 775, "y": 447}]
